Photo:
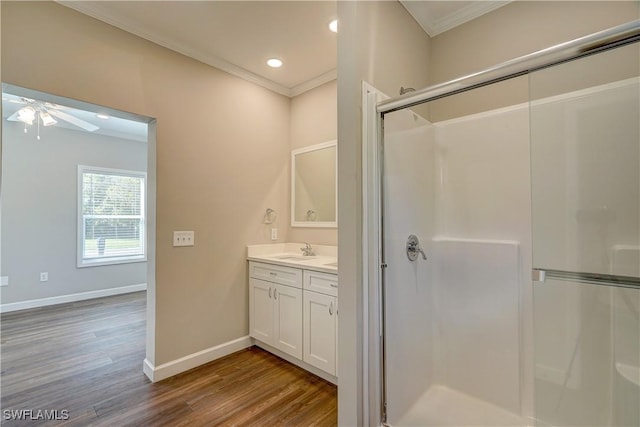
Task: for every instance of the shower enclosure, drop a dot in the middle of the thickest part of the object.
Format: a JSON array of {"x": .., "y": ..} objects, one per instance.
[{"x": 510, "y": 243}]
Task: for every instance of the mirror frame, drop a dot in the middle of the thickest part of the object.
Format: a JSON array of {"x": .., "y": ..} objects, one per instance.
[{"x": 294, "y": 153}]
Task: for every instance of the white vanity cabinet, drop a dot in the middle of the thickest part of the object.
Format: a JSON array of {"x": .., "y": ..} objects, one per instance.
[
  {"x": 320, "y": 322},
  {"x": 295, "y": 311},
  {"x": 276, "y": 308}
]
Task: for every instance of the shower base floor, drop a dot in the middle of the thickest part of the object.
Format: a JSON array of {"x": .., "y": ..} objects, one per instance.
[{"x": 442, "y": 406}]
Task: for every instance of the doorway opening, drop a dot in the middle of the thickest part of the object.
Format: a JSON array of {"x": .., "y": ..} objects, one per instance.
[{"x": 77, "y": 206}]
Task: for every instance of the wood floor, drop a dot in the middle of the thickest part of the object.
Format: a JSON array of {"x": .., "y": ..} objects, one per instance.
[{"x": 86, "y": 358}]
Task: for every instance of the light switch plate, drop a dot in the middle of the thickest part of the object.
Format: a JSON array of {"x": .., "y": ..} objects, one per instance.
[
  {"x": 274, "y": 234},
  {"x": 44, "y": 276},
  {"x": 183, "y": 238},
  {"x": 4, "y": 281}
]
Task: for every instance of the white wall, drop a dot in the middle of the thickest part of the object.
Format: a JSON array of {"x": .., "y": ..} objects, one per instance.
[{"x": 39, "y": 215}]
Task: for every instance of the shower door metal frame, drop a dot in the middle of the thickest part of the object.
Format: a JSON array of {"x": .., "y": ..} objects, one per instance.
[{"x": 373, "y": 197}]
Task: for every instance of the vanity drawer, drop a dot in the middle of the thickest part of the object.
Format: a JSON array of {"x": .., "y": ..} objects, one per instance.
[
  {"x": 324, "y": 283},
  {"x": 276, "y": 274}
]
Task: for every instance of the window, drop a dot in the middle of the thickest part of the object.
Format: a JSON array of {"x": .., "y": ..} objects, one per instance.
[{"x": 111, "y": 216}]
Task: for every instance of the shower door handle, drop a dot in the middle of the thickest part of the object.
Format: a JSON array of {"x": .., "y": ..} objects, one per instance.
[{"x": 413, "y": 248}]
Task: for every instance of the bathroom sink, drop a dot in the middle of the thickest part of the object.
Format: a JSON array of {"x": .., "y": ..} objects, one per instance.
[{"x": 291, "y": 257}]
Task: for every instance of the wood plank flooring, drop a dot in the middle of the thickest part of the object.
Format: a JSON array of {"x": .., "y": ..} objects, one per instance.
[{"x": 86, "y": 358}]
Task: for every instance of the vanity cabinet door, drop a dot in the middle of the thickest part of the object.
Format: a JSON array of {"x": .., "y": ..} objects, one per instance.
[
  {"x": 288, "y": 320},
  {"x": 261, "y": 310},
  {"x": 320, "y": 320}
]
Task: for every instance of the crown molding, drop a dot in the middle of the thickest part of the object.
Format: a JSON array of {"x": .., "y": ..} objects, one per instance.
[
  {"x": 90, "y": 9},
  {"x": 314, "y": 83},
  {"x": 433, "y": 27},
  {"x": 467, "y": 14}
]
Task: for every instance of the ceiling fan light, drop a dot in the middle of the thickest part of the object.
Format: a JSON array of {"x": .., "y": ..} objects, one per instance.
[
  {"x": 27, "y": 115},
  {"x": 47, "y": 120}
]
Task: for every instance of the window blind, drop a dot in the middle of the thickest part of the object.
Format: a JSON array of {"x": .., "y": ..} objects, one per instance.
[{"x": 112, "y": 215}]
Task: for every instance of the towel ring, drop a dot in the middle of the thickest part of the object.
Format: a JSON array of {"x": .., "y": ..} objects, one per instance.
[{"x": 269, "y": 216}]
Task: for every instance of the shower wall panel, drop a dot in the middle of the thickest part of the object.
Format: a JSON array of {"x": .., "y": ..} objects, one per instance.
[
  {"x": 455, "y": 325},
  {"x": 476, "y": 307}
]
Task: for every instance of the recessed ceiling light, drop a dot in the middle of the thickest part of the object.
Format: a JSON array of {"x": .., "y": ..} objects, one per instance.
[
  {"x": 102, "y": 116},
  {"x": 274, "y": 63},
  {"x": 333, "y": 25}
]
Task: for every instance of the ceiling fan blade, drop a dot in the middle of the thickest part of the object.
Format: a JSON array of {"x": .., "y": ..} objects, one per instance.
[
  {"x": 73, "y": 120},
  {"x": 14, "y": 117},
  {"x": 13, "y": 100},
  {"x": 49, "y": 105}
]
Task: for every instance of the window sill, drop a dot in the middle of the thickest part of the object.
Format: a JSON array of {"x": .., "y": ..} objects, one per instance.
[{"x": 110, "y": 261}]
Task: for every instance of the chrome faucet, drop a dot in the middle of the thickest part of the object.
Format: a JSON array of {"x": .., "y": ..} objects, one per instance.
[{"x": 307, "y": 251}]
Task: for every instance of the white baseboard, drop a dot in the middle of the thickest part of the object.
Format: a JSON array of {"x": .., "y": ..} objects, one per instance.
[
  {"x": 169, "y": 369},
  {"x": 147, "y": 368},
  {"x": 43, "y": 302}
]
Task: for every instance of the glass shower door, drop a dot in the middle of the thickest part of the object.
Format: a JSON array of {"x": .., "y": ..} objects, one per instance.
[
  {"x": 585, "y": 166},
  {"x": 455, "y": 296},
  {"x": 408, "y": 192}
]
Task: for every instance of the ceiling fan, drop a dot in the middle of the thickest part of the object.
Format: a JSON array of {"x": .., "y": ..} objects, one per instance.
[{"x": 45, "y": 113}]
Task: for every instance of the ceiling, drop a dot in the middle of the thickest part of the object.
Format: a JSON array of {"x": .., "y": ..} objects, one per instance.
[
  {"x": 236, "y": 36},
  {"x": 239, "y": 36}
]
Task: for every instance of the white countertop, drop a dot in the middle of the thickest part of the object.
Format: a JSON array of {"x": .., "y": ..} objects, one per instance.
[{"x": 290, "y": 255}]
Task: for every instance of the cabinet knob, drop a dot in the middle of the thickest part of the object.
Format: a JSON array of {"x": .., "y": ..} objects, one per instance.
[
  {"x": 269, "y": 291},
  {"x": 275, "y": 294},
  {"x": 331, "y": 309}
]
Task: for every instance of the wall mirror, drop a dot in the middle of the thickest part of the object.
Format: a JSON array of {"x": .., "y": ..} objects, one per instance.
[{"x": 314, "y": 193}]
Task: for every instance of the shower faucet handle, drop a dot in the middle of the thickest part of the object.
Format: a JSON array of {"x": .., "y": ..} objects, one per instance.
[{"x": 413, "y": 248}]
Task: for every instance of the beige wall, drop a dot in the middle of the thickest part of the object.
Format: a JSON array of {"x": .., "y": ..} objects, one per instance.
[
  {"x": 222, "y": 158},
  {"x": 517, "y": 29},
  {"x": 314, "y": 116},
  {"x": 379, "y": 42},
  {"x": 314, "y": 119}
]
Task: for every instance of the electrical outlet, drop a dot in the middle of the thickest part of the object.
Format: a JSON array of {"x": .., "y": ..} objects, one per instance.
[
  {"x": 4, "y": 281},
  {"x": 274, "y": 234},
  {"x": 183, "y": 238},
  {"x": 44, "y": 276}
]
